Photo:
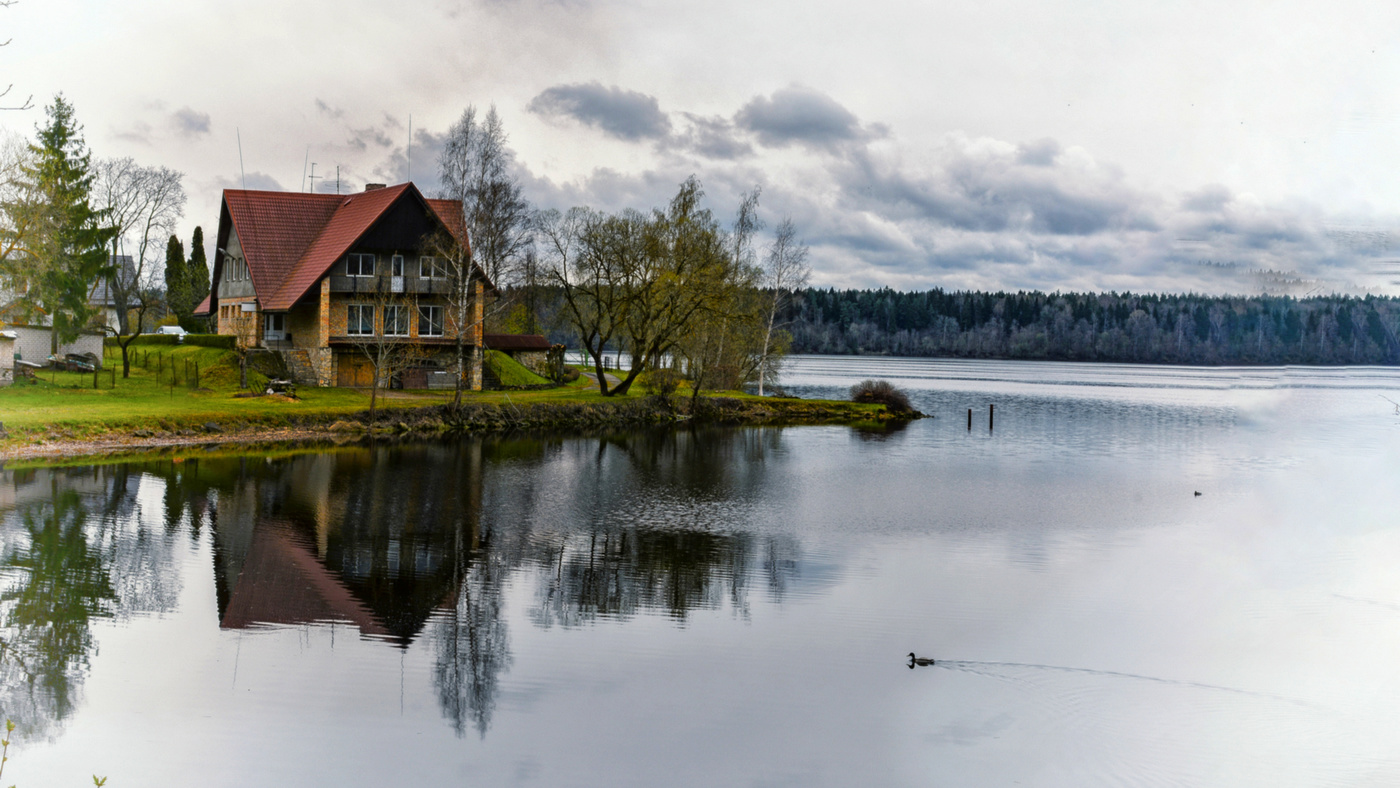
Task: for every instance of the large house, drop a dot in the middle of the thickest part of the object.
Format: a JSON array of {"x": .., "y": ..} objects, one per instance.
[{"x": 317, "y": 276}]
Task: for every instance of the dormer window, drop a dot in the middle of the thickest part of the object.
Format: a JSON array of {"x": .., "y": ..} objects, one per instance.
[{"x": 359, "y": 264}]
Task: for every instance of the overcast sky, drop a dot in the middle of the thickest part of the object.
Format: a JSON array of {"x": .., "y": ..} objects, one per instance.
[{"x": 994, "y": 144}]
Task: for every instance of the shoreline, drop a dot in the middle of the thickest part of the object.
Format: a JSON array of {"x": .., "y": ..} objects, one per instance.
[{"x": 470, "y": 419}]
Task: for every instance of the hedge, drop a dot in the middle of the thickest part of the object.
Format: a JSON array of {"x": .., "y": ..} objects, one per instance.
[{"x": 224, "y": 341}]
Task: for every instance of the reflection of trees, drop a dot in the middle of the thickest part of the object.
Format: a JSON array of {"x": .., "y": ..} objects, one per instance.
[
  {"x": 75, "y": 549},
  {"x": 399, "y": 540}
]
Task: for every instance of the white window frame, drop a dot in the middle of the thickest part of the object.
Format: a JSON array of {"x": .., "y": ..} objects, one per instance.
[
  {"x": 358, "y": 268},
  {"x": 352, "y": 328},
  {"x": 401, "y": 316},
  {"x": 430, "y": 267},
  {"x": 424, "y": 319}
]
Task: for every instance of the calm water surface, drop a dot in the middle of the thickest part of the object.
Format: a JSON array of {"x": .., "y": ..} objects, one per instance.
[{"x": 734, "y": 607}]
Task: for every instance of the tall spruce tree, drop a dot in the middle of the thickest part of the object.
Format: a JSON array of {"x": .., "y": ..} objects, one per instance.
[
  {"x": 177, "y": 279},
  {"x": 198, "y": 277},
  {"x": 69, "y": 252}
]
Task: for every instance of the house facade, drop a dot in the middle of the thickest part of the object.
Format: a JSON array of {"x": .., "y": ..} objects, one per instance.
[{"x": 319, "y": 278}]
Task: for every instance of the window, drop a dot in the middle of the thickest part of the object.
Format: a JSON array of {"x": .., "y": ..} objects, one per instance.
[
  {"x": 396, "y": 321},
  {"x": 357, "y": 264},
  {"x": 429, "y": 321},
  {"x": 396, "y": 265},
  {"x": 432, "y": 267},
  {"x": 274, "y": 322},
  {"x": 359, "y": 319}
]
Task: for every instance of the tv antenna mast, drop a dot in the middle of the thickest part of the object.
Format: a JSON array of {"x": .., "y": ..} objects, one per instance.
[{"x": 313, "y": 176}]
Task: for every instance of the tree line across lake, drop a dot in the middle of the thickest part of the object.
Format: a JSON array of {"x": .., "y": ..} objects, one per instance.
[{"x": 1124, "y": 327}]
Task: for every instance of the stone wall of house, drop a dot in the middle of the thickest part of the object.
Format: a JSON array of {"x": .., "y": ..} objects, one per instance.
[
  {"x": 230, "y": 318},
  {"x": 304, "y": 324},
  {"x": 322, "y": 360}
]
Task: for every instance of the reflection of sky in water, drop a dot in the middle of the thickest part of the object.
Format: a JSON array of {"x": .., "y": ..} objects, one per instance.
[{"x": 733, "y": 607}]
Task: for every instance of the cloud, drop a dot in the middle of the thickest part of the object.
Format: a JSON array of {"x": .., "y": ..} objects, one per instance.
[
  {"x": 335, "y": 113},
  {"x": 624, "y": 114},
  {"x": 801, "y": 115},
  {"x": 189, "y": 123},
  {"x": 251, "y": 181},
  {"x": 139, "y": 132},
  {"x": 710, "y": 137}
]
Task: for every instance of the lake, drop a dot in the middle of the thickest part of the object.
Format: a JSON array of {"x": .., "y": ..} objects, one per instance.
[{"x": 737, "y": 606}]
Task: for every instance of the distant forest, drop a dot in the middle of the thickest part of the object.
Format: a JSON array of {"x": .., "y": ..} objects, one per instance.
[{"x": 1167, "y": 329}]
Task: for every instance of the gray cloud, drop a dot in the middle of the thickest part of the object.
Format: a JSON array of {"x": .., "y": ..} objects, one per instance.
[
  {"x": 189, "y": 123},
  {"x": 624, "y": 114},
  {"x": 800, "y": 115},
  {"x": 252, "y": 180},
  {"x": 329, "y": 111},
  {"x": 712, "y": 138},
  {"x": 1041, "y": 153}
]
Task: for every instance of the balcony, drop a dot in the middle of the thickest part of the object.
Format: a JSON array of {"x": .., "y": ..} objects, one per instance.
[{"x": 407, "y": 285}]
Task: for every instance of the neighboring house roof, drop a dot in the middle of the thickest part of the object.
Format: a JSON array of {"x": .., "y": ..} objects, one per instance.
[
  {"x": 510, "y": 342},
  {"x": 205, "y": 306},
  {"x": 101, "y": 294},
  {"x": 291, "y": 239}
]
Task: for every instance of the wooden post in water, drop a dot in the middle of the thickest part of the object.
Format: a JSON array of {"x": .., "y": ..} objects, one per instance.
[
  {"x": 969, "y": 419},
  {"x": 991, "y": 416}
]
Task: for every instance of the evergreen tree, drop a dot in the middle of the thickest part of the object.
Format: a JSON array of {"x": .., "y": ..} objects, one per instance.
[
  {"x": 198, "y": 272},
  {"x": 69, "y": 251},
  {"x": 177, "y": 279}
]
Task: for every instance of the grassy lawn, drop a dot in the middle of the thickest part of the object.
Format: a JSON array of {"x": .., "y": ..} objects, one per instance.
[
  {"x": 66, "y": 406},
  {"x": 68, "y": 402}
]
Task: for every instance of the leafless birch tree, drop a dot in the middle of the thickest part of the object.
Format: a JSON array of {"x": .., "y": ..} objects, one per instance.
[
  {"x": 785, "y": 271},
  {"x": 143, "y": 204}
]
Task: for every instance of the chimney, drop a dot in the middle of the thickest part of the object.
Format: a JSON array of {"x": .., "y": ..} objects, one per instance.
[{"x": 369, "y": 187}]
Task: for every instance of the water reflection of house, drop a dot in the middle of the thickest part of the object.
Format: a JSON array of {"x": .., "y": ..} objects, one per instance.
[{"x": 331, "y": 542}]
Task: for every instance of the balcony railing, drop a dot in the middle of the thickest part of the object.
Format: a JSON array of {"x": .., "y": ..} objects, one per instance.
[{"x": 411, "y": 285}]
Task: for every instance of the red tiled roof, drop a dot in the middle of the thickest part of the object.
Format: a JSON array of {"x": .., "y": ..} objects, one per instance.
[
  {"x": 291, "y": 239},
  {"x": 204, "y": 307},
  {"x": 515, "y": 342},
  {"x": 275, "y": 229}
]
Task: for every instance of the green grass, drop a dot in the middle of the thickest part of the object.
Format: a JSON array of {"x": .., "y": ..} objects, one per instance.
[
  {"x": 64, "y": 405},
  {"x": 511, "y": 372}
]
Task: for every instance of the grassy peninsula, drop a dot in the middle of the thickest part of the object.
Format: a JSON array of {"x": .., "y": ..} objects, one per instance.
[{"x": 179, "y": 395}]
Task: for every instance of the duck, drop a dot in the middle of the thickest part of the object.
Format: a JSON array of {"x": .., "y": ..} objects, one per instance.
[{"x": 913, "y": 660}]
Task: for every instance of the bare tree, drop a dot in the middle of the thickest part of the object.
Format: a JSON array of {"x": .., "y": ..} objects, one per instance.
[
  {"x": 143, "y": 204},
  {"x": 383, "y": 335},
  {"x": 20, "y": 205},
  {"x": 475, "y": 168},
  {"x": 29, "y": 102},
  {"x": 785, "y": 271},
  {"x": 496, "y": 221}
]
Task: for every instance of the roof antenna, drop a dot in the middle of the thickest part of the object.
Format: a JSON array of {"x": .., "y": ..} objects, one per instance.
[
  {"x": 241, "y": 173},
  {"x": 337, "y": 179},
  {"x": 410, "y": 147},
  {"x": 313, "y": 176},
  {"x": 303, "y": 167}
]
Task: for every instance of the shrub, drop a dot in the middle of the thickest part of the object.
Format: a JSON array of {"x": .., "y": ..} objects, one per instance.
[
  {"x": 571, "y": 374},
  {"x": 660, "y": 382},
  {"x": 224, "y": 341},
  {"x": 881, "y": 392}
]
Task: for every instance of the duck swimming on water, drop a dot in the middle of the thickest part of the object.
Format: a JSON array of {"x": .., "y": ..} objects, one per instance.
[{"x": 913, "y": 660}]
